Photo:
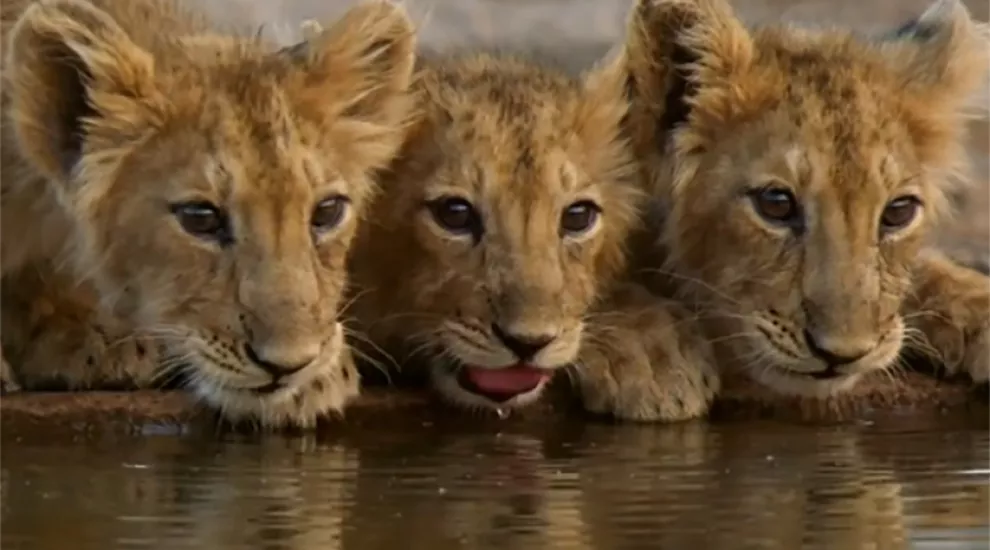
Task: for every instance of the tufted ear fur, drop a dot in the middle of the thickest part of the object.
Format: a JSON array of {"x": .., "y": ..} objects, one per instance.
[
  {"x": 673, "y": 49},
  {"x": 599, "y": 119},
  {"x": 941, "y": 60},
  {"x": 941, "y": 54},
  {"x": 359, "y": 68},
  {"x": 72, "y": 78}
]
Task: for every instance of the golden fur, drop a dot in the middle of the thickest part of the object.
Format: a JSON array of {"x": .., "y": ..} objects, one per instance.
[
  {"x": 206, "y": 185},
  {"x": 520, "y": 143},
  {"x": 645, "y": 357},
  {"x": 797, "y": 174}
]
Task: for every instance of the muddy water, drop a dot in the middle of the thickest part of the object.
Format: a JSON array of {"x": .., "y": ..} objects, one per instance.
[{"x": 873, "y": 484}]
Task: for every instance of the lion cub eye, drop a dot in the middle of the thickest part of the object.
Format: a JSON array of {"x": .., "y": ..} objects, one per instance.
[
  {"x": 777, "y": 206},
  {"x": 455, "y": 215},
  {"x": 328, "y": 213},
  {"x": 899, "y": 213},
  {"x": 203, "y": 220},
  {"x": 579, "y": 217}
]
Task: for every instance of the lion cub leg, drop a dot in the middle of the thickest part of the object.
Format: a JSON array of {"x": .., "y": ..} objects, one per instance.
[
  {"x": 56, "y": 337},
  {"x": 644, "y": 358},
  {"x": 949, "y": 316}
]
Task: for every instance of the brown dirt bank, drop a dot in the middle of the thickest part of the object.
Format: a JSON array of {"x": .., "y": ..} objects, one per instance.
[{"x": 26, "y": 414}]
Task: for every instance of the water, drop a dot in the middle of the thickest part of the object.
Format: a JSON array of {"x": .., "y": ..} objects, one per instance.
[{"x": 584, "y": 485}]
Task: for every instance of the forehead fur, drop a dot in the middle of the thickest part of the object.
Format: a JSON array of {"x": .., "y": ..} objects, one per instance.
[
  {"x": 834, "y": 85},
  {"x": 506, "y": 121}
]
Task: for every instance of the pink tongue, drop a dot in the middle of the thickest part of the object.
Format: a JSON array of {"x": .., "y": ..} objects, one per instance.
[{"x": 512, "y": 380}]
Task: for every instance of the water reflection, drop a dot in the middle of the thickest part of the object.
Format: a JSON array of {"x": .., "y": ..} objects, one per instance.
[{"x": 556, "y": 486}]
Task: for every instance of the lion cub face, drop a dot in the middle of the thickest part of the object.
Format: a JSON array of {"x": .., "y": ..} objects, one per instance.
[
  {"x": 802, "y": 171},
  {"x": 216, "y": 184},
  {"x": 503, "y": 217}
]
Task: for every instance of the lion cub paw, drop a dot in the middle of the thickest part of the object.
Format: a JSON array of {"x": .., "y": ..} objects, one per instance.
[
  {"x": 81, "y": 357},
  {"x": 958, "y": 351},
  {"x": 8, "y": 380},
  {"x": 643, "y": 361},
  {"x": 647, "y": 392},
  {"x": 950, "y": 312},
  {"x": 976, "y": 361}
]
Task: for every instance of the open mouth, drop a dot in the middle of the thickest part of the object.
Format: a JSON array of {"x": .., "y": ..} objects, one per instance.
[{"x": 501, "y": 385}]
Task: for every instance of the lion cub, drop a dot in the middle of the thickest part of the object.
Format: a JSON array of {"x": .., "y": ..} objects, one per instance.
[
  {"x": 203, "y": 188},
  {"x": 497, "y": 227},
  {"x": 798, "y": 173}
]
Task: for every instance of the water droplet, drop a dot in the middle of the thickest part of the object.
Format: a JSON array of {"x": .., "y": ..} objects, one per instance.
[{"x": 502, "y": 413}]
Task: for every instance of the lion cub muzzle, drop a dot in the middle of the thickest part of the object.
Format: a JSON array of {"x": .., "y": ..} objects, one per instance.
[
  {"x": 284, "y": 356},
  {"x": 836, "y": 353},
  {"x": 502, "y": 384},
  {"x": 815, "y": 355},
  {"x": 837, "y": 342},
  {"x": 285, "y": 352},
  {"x": 285, "y": 365},
  {"x": 524, "y": 346}
]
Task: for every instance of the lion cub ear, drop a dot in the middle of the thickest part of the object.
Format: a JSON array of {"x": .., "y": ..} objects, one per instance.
[
  {"x": 74, "y": 77},
  {"x": 941, "y": 61},
  {"x": 360, "y": 67},
  {"x": 683, "y": 58},
  {"x": 599, "y": 119},
  {"x": 942, "y": 54}
]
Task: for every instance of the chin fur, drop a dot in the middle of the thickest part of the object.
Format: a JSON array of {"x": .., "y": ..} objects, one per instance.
[
  {"x": 313, "y": 393},
  {"x": 788, "y": 382},
  {"x": 791, "y": 382}
]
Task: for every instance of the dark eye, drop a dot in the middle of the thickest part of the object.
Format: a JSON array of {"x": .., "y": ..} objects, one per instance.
[
  {"x": 203, "y": 220},
  {"x": 899, "y": 213},
  {"x": 776, "y": 205},
  {"x": 329, "y": 213},
  {"x": 455, "y": 215},
  {"x": 579, "y": 217}
]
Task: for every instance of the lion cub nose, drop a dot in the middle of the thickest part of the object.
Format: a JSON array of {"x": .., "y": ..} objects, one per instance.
[
  {"x": 280, "y": 363},
  {"x": 524, "y": 346},
  {"x": 836, "y": 354}
]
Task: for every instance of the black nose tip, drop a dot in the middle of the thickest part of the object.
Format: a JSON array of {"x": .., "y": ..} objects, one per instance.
[
  {"x": 832, "y": 358},
  {"x": 525, "y": 347},
  {"x": 274, "y": 369}
]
